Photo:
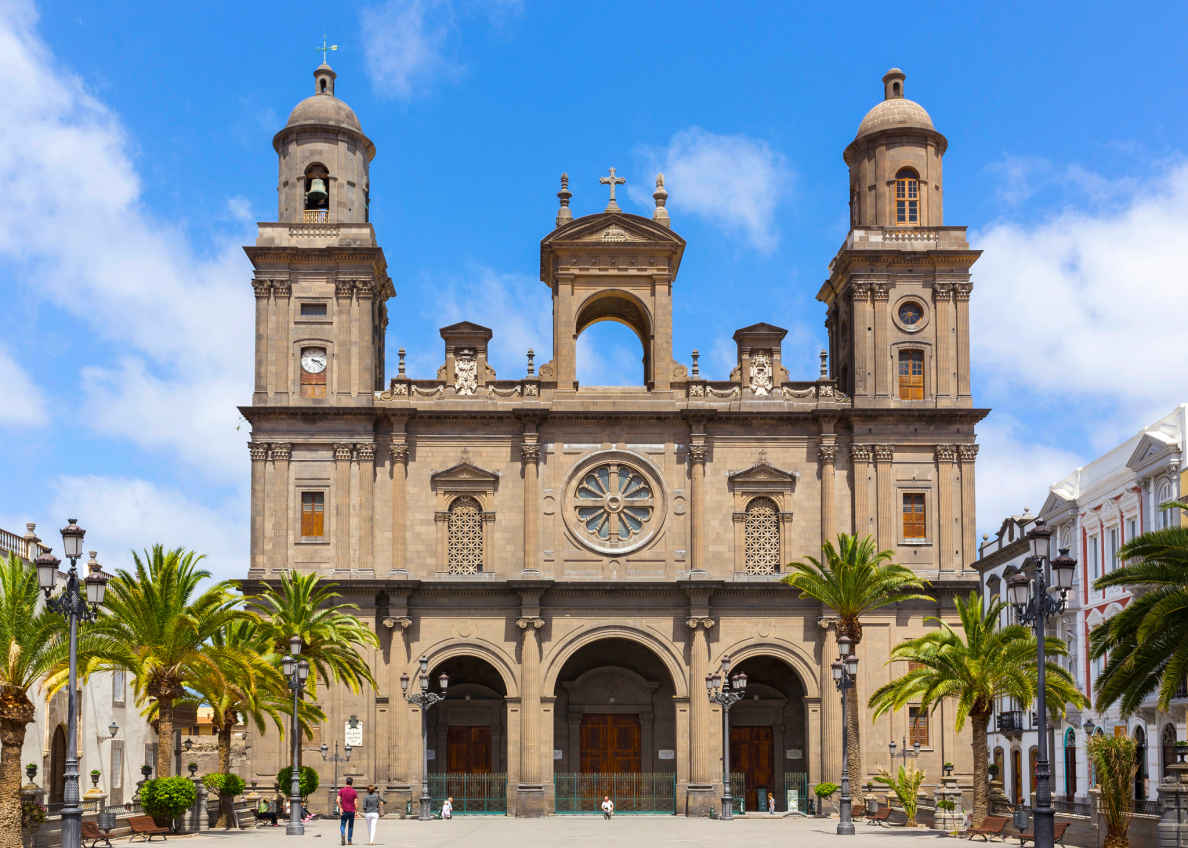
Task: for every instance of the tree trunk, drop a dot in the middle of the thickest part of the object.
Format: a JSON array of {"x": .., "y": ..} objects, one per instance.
[
  {"x": 16, "y": 711},
  {"x": 164, "y": 736},
  {"x": 981, "y": 759},
  {"x": 853, "y": 740},
  {"x": 226, "y": 802}
]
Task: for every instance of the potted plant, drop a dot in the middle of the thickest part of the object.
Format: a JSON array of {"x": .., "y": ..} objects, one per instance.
[
  {"x": 948, "y": 769},
  {"x": 823, "y": 791},
  {"x": 948, "y": 805},
  {"x": 95, "y": 777},
  {"x": 192, "y": 768},
  {"x": 992, "y": 770},
  {"x": 906, "y": 786},
  {"x": 31, "y": 771},
  {"x": 1113, "y": 759},
  {"x": 166, "y": 798}
]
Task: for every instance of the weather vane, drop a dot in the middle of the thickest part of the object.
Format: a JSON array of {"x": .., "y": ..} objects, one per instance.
[{"x": 326, "y": 48}]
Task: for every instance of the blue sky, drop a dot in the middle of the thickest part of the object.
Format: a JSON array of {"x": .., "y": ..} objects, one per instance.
[{"x": 139, "y": 144}]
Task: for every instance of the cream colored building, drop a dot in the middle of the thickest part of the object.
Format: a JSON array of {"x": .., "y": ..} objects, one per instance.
[{"x": 578, "y": 558}]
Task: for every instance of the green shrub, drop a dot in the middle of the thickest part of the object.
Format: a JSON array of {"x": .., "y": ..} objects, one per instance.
[
  {"x": 906, "y": 786},
  {"x": 168, "y": 796},
  {"x": 224, "y": 785},
  {"x": 308, "y": 780},
  {"x": 946, "y": 804},
  {"x": 825, "y": 789}
]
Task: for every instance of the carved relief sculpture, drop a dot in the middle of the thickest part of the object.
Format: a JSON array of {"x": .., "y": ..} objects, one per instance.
[
  {"x": 761, "y": 374},
  {"x": 465, "y": 372}
]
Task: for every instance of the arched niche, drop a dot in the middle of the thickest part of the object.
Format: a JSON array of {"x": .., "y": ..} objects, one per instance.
[{"x": 622, "y": 308}]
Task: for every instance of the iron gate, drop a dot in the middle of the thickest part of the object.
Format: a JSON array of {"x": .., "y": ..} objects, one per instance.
[
  {"x": 632, "y": 792},
  {"x": 473, "y": 794},
  {"x": 795, "y": 781}
]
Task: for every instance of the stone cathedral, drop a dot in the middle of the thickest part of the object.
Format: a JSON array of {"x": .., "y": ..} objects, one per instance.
[{"x": 578, "y": 558}]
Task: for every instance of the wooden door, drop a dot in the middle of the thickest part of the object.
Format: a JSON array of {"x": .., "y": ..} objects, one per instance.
[
  {"x": 610, "y": 743},
  {"x": 1017, "y": 776},
  {"x": 468, "y": 749},
  {"x": 752, "y": 753}
]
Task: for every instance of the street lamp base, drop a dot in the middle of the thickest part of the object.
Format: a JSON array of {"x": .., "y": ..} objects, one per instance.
[
  {"x": 294, "y": 828},
  {"x": 426, "y": 811},
  {"x": 727, "y": 808},
  {"x": 845, "y": 828}
]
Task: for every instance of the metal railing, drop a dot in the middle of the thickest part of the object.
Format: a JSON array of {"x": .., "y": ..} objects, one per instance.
[
  {"x": 315, "y": 216},
  {"x": 474, "y": 794},
  {"x": 632, "y": 792}
]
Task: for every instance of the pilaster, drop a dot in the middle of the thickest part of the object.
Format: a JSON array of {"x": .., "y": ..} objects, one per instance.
[
  {"x": 863, "y": 366},
  {"x": 961, "y": 293},
  {"x": 398, "y": 450},
  {"x": 880, "y": 294},
  {"x": 259, "y": 455},
  {"x": 698, "y": 453},
  {"x": 529, "y": 463},
  {"x": 946, "y": 363},
  {"x": 827, "y": 455},
  {"x": 530, "y": 790},
  {"x": 884, "y": 459},
  {"x": 701, "y": 773},
  {"x": 342, "y": 508},
  {"x": 364, "y": 337},
  {"x": 263, "y": 291},
  {"x": 968, "y": 455},
  {"x": 948, "y": 520},
  {"x": 342, "y": 337},
  {"x": 861, "y": 457},
  {"x": 281, "y": 355},
  {"x": 365, "y": 457}
]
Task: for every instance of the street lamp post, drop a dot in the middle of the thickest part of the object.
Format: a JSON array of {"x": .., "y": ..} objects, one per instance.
[
  {"x": 845, "y": 675},
  {"x": 296, "y": 671},
  {"x": 78, "y": 601},
  {"x": 1035, "y": 598},
  {"x": 914, "y": 751},
  {"x": 727, "y": 691},
  {"x": 336, "y": 759},
  {"x": 425, "y": 700}
]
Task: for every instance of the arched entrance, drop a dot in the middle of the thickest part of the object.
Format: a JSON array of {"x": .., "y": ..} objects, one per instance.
[
  {"x": 1016, "y": 776},
  {"x": 614, "y": 730},
  {"x": 467, "y": 735},
  {"x": 57, "y": 775},
  {"x": 769, "y": 736}
]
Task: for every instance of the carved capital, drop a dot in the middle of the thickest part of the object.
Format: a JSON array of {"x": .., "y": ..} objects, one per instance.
[
  {"x": 962, "y": 291},
  {"x": 530, "y": 622},
  {"x": 342, "y": 452},
  {"x": 698, "y": 454},
  {"x": 881, "y": 292},
  {"x": 365, "y": 452},
  {"x": 945, "y": 453},
  {"x": 884, "y": 453},
  {"x": 281, "y": 452},
  {"x": 258, "y": 451},
  {"x": 364, "y": 288},
  {"x": 859, "y": 291},
  {"x": 861, "y": 453},
  {"x": 967, "y": 453},
  {"x": 399, "y": 452},
  {"x": 529, "y": 452},
  {"x": 942, "y": 292},
  {"x": 392, "y": 622},
  {"x": 282, "y": 288},
  {"x": 343, "y": 288},
  {"x": 827, "y": 453},
  {"x": 261, "y": 287},
  {"x": 705, "y": 623}
]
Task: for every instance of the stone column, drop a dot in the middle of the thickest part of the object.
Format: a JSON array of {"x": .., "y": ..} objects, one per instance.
[
  {"x": 697, "y": 456},
  {"x": 259, "y": 453},
  {"x": 564, "y": 341},
  {"x": 880, "y": 293},
  {"x": 279, "y": 494},
  {"x": 342, "y": 508},
  {"x": 948, "y": 519},
  {"x": 863, "y": 367},
  {"x": 399, "y": 471},
  {"x": 961, "y": 293},
  {"x": 341, "y": 363},
  {"x": 364, "y": 337},
  {"x": 827, "y": 454},
  {"x": 366, "y": 458},
  {"x": 701, "y": 796},
  {"x": 281, "y": 355},
  {"x": 946, "y": 363},
  {"x": 661, "y": 342},
  {"x": 968, "y": 455},
  {"x": 529, "y": 459},
  {"x": 888, "y": 533},
  {"x": 860, "y": 459},
  {"x": 263, "y": 289},
  {"x": 530, "y": 792}
]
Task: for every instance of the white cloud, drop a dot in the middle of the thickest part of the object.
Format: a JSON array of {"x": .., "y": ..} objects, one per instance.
[
  {"x": 74, "y": 223},
  {"x": 24, "y": 404},
  {"x": 732, "y": 180},
  {"x": 125, "y": 514},
  {"x": 407, "y": 42}
]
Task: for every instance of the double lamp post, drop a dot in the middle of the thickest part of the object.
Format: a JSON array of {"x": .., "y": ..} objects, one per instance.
[
  {"x": 726, "y": 690},
  {"x": 845, "y": 675},
  {"x": 296, "y": 671},
  {"x": 1037, "y": 592},
  {"x": 425, "y": 700}
]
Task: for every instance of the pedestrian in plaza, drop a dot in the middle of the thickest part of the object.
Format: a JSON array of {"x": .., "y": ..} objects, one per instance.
[
  {"x": 347, "y": 796},
  {"x": 264, "y": 811},
  {"x": 447, "y": 809},
  {"x": 608, "y": 807},
  {"x": 373, "y": 804},
  {"x": 770, "y": 804}
]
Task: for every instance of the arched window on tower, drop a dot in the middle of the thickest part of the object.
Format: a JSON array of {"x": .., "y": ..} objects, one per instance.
[
  {"x": 465, "y": 534},
  {"x": 911, "y": 375},
  {"x": 906, "y": 197},
  {"x": 317, "y": 194},
  {"x": 762, "y": 532}
]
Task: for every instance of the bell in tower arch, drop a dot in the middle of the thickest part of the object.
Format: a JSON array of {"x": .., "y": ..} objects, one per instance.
[{"x": 316, "y": 197}]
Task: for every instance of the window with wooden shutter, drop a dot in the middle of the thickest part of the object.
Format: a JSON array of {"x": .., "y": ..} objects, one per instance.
[
  {"x": 313, "y": 512},
  {"x": 911, "y": 375},
  {"x": 914, "y": 526},
  {"x": 906, "y": 193},
  {"x": 918, "y": 726}
]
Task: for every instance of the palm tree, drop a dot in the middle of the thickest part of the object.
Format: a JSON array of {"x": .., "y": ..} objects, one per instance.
[
  {"x": 1146, "y": 645},
  {"x": 975, "y": 666},
  {"x": 156, "y": 625},
  {"x": 853, "y": 579},
  {"x": 1113, "y": 757},
  {"x": 33, "y": 641}
]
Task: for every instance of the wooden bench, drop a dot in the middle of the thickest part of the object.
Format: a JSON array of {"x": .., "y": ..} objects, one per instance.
[
  {"x": 990, "y": 826},
  {"x": 91, "y": 831},
  {"x": 1057, "y": 834},
  {"x": 145, "y": 827},
  {"x": 880, "y": 815}
]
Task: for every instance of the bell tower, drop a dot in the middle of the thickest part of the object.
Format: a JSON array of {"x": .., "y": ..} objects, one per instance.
[
  {"x": 898, "y": 290},
  {"x": 320, "y": 279}
]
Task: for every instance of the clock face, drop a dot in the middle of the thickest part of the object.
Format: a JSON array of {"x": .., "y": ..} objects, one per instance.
[{"x": 313, "y": 360}]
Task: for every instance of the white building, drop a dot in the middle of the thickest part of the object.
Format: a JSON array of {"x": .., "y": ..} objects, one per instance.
[
  {"x": 102, "y": 700},
  {"x": 1093, "y": 512}
]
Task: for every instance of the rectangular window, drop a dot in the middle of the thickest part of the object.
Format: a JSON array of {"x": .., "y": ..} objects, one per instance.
[
  {"x": 911, "y": 375},
  {"x": 918, "y": 726},
  {"x": 1131, "y": 530},
  {"x": 118, "y": 684},
  {"x": 913, "y": 516},
  {"x": 1113, "y": 548},
  {"x": 116, "y": 775},
  {"x": 313, "y": 512},
  {"x": 1093, "y": 559},
  {"x": 313, "y": 310}
]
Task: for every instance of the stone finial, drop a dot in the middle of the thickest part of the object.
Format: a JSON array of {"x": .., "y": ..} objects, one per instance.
[
  {"x": 400, "y": 365},
  {"x": 564, "y": 214},
  {"x": 893, "y": 84},
  {"x": 660, "y": 214},
  {"x": 824, "y": 364},
  {"x": 531, "y": 365},
  {"x": 696, "y": 372}
]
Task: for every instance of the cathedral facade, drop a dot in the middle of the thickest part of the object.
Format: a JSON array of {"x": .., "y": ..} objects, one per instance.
[{"x": 577, "y": 559}]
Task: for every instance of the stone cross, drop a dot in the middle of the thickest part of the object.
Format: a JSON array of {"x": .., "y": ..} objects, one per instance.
[
  {"x": 612, "y": 181},
  {"x": 326, "y": 48}
]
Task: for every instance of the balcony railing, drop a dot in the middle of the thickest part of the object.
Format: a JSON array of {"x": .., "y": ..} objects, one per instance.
[
  {"x": 315, "y": 216},
  {"x": 1010, "y": 721}
]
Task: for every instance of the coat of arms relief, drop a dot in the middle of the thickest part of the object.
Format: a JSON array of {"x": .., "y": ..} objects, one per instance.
[
  {"x": 465, "y": 372},
  {"x": 761, "y": 382}
]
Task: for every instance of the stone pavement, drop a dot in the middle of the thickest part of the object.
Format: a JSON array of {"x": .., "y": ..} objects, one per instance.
[{"x": 593, "y": 831}]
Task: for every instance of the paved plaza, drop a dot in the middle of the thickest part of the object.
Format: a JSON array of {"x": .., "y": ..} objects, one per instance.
[{"x": 550, "y": 832}]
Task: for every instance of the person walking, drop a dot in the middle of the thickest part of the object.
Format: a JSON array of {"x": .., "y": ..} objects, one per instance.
[
  {"x": 608, "y": 807},
  {"x": 770, "y": 804},
  {"x": 373, "y": 804},
  {"x": 347, "y": 798},
  {"x": 447, "y": 808}
]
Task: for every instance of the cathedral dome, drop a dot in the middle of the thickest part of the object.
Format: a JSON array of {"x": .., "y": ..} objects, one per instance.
[
  {"x": 323, "y": 107},
  {"x": 895, "y": 111}
]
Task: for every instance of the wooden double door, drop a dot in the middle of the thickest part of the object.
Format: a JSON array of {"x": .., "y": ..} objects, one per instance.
[
  {"x": 752, "y": 752},
  {"x": 610, "y": 743},
  {"x": 468, "y": 749}
]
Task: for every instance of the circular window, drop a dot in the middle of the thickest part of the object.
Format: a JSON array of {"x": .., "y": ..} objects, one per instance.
[
  {"x": 911, "y": 313},
  {"x": 614, "y": 503}
]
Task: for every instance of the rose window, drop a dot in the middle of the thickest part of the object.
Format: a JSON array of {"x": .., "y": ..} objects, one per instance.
[{"x": 614, "y": 504}]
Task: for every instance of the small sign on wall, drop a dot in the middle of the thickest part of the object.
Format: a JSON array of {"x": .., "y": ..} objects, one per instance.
[
  {"x": 557, "y": 755},
  {"x": 666, "y": 754},
  {"x": 431, "y": 754},
  {"x": 794, "y": 754},
  {"x": 353, "y": 736}
]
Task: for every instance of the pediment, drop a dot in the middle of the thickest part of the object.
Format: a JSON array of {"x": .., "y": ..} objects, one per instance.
[
  {"x": 465, "y": 327},
  {"x": 759, "y": 329},
  {"x": 1151, "y": 447},
  {"x": 465, "y": 476},
  {"x": 1055, "y": 503},
  {"x": 765, "y": 474},
  {"x": 612, "y": 228}
]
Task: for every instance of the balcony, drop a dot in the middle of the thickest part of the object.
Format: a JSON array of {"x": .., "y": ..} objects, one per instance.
[
  {"x": 315, "y": 216},
  {"x": 1010, "y": 721}
]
